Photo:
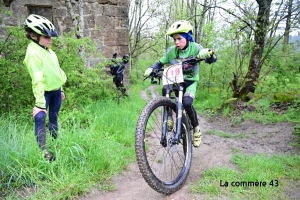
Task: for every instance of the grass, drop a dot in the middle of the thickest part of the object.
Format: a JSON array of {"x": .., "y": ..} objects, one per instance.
[
  {"x": 94, "y": 144},
  {"x": 272, "y": 174},
  {"x": 210, "y": 104},
  {"x": 227, "y": 135}
]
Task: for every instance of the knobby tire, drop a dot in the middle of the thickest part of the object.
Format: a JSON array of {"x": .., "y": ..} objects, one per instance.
[{"x": 165, "y": 169}]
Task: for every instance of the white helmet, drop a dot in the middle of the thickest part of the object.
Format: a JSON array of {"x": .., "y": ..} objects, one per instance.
[{"x": 40, "y": 25}]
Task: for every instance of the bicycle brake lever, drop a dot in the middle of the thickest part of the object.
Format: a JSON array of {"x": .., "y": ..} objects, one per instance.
[{"x": 146, "y": 78}]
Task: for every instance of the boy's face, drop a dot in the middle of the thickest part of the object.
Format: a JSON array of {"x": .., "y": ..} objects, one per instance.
[
  {"x": 179, "y": 41},
  {"x": 44, "y": 40}
]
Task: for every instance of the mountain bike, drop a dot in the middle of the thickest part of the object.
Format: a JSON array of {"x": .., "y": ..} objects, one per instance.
[{"x": 164, "y": 150}]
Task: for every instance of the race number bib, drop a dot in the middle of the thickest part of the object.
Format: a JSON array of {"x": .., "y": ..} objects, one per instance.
[{"x": 173, "y": 74}]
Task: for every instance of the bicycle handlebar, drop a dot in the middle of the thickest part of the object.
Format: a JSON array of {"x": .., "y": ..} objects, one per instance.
[
  {"x": 188, "y": 61},
  {"x": 155, "y": 73}
]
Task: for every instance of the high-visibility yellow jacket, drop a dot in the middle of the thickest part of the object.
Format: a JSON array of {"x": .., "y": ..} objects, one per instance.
[{"x": 45, "y": 72}]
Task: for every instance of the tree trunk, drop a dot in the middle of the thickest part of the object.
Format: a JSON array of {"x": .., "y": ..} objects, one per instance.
[
  {"x": 255, "y": 63},
  {"x": 77, "y": 18},
  {"x": 199, "y": 36},
  {"x": 135, "y": 26},
  {"x": 288, "y": 22}
]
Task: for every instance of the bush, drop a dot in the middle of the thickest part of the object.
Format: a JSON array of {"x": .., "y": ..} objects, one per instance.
[{"x": 16, "y": 92}]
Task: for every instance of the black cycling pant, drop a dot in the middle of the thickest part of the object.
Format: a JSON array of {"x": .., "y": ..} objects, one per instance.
[{"x": 187, "y": 103}]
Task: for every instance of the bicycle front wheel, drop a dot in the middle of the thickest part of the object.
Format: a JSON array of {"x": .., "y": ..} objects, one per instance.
[{"x": 164, "y": 167}]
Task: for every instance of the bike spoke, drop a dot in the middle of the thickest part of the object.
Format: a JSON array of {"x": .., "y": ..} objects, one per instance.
[
  {"x": 164, "y": 166},
  {"x": 165, "y": 162}
]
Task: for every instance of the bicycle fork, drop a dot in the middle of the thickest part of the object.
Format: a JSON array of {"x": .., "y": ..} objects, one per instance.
[{"x": 166, "y": 113}]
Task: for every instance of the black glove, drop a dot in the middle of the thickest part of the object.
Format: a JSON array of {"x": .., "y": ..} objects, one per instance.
[
  {"x": 157, "y": 65},
  {"x": 212, "y": 59},
  {"x": 115, "y": 55}
]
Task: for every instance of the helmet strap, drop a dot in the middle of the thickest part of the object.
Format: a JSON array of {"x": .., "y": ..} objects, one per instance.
[
  {"x": 37, "y": 41},
  {"x": 38, "y": 38},
  {"x": 187, "y": 45}
]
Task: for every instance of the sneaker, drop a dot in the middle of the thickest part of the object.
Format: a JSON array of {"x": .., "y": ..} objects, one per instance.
[
  {"x": 170, "y": 124},
  {"x": 197, "y": 138},
  {"x": 48, "y": 156}
]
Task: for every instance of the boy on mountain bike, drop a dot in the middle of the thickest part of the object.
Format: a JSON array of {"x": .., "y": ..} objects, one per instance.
[
  {"x": 181, "y": 32},
  {"x": 117, "y": 69},
  {"x": 47, "y": 77}
]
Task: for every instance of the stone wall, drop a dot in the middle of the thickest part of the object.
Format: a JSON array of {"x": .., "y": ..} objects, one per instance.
[{"x": 105, "y": 21}]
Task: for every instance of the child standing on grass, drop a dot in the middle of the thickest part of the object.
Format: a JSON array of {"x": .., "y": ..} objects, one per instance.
[
  {"x": 47, "y": 78},
  {"x": 184, "y": 47}
]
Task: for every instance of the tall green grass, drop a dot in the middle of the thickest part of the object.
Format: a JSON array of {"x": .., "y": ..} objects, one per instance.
[{"x": 95, "y": 143}]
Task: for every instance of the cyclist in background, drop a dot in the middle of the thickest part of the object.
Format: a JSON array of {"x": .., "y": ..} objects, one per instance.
[
  {"x": 117, "y": 69},
  {"x": 181, "y": 32}
]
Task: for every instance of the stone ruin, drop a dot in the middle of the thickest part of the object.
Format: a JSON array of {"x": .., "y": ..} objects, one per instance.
[{"x": 104, "y": 21}]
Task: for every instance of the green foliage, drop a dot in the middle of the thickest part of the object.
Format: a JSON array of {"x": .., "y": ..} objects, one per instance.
[
  {"x": 209, "y": 102},
  {"x": 280, "y": 74},
  {"x": 226, "y": 111},
  {"x": 285, "y": 97},
  {"x": 208, "y": 41},
  {"x": 16, "y": 92}
]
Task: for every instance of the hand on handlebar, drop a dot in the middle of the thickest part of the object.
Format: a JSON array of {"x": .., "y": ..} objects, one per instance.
[
  {"x": 204, "y": 54},
  {"x": 148, "y": 72}
]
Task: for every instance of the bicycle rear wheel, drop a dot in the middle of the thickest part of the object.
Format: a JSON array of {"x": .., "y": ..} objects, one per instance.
[{"x": 165, "y": 169}]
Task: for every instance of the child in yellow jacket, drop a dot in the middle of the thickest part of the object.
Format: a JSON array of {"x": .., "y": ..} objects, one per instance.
[{"x": 47, "y": 77}]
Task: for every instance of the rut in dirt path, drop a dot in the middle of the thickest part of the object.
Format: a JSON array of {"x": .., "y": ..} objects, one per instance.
[{"x": 214, "y": 152}]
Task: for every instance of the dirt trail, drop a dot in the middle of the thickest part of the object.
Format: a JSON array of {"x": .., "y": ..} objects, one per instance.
[{"x": 215, "y": 151}]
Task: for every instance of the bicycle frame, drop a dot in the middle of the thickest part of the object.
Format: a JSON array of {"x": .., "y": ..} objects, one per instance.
[{"x": 173, "y": 79}]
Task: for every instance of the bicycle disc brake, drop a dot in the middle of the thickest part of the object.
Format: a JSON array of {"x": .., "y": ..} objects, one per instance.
[{"x": 170, "y": 138}]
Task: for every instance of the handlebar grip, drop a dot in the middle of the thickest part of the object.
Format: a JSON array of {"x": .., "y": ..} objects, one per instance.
[{"x": 211, "y": 53}]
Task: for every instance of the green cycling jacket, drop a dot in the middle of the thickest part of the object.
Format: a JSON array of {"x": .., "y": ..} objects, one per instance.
[
  {"x": 173, "y": 55},
  {"x": 45, "y": 72}
]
